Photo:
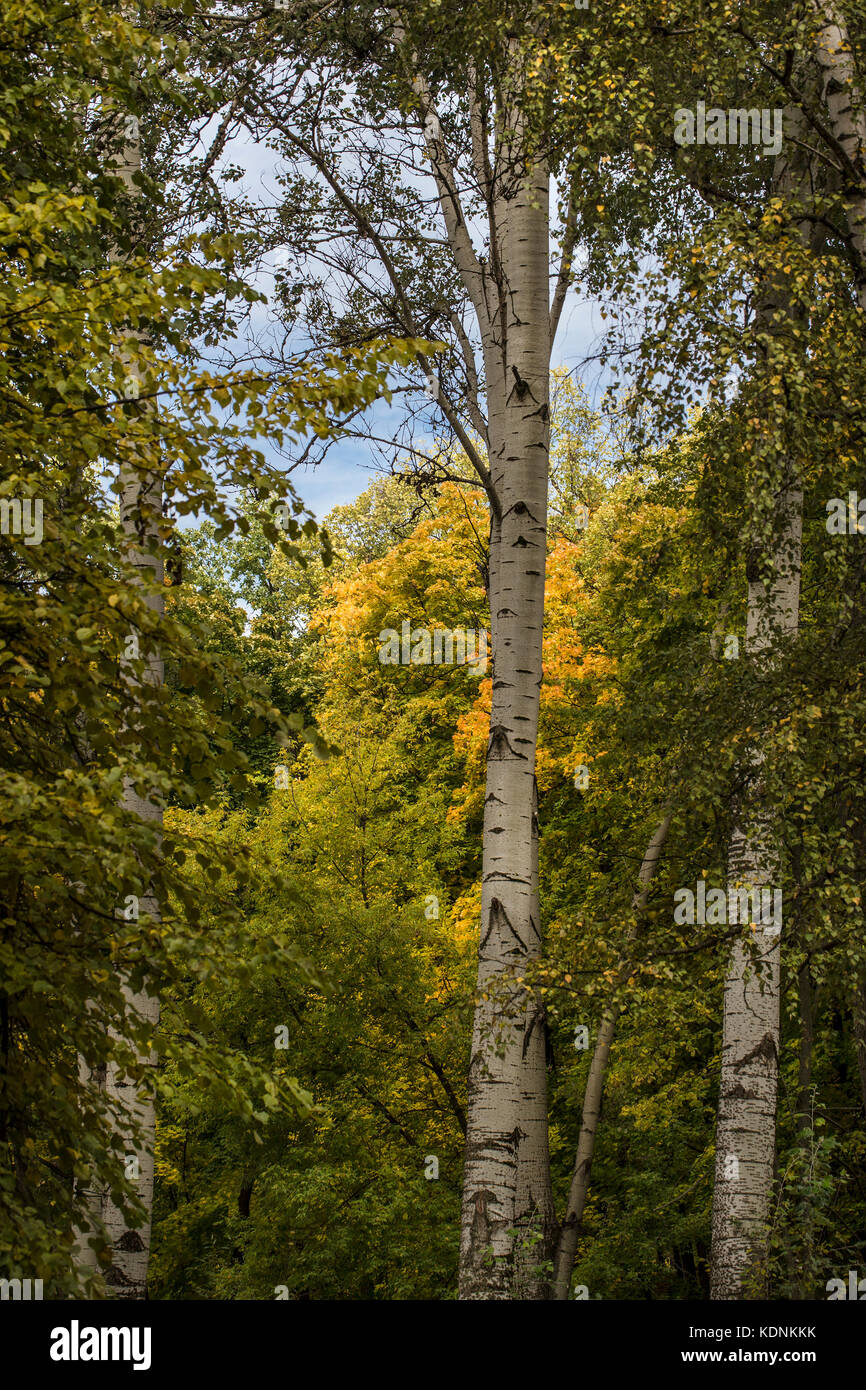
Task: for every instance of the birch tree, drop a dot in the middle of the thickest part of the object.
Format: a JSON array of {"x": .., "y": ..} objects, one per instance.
[
  {"x": 769, "y": 52},
  {"x": 132, "y": 1099},
  {"x": 745, "y": 1141},
  {"x": 841, "y": 117},
  {"x": 474, "y": 214}
]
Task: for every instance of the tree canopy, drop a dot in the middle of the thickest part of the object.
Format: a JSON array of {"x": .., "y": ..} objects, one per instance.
[{"x": 454, "y": 789}]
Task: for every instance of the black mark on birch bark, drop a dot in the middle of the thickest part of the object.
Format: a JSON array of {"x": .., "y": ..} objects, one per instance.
[
  {"x": 764, "y": 1051},
  {"x": 499, "y": 747},
  {"x": 499, "y": 921},
  {"x": 130, "y": 1241}
]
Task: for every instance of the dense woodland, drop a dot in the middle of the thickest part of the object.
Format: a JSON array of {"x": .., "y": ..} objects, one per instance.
[{"x": 331, "y": 970}]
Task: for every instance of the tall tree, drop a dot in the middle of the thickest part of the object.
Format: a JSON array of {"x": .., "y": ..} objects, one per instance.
[
  {"x": 141, "y": 515},
  {"x": 458, "y": 251}
]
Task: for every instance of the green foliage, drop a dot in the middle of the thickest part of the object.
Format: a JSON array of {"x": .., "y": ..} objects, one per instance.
[
  {"x": 318, "y": 873},
  {"x": 80, "y": 721}
]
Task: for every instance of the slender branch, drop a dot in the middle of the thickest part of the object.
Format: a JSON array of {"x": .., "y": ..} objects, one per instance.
[
  {"x": 473, "y": 404},
  {"x": 470, "y": 268},
  {"x": 570, "y": 1230},
  {"x": 366, "y": 227},
  {"x": 563, "y": 280}
]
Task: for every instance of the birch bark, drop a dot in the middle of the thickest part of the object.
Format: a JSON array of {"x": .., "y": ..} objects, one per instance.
[
  {"x": 746, "y": 1124},
  {"x": 746, "y": 1127},
  {"x": 508, "y": 1219},
  {"x": 842, "y": 100},
  {"x": 508, "y": 1216},
  {"x": 140, "y": 516},
  {"x": 506, "y": 1175}
]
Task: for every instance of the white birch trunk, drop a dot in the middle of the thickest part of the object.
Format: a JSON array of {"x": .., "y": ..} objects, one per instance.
[
  {"x": 746, "y": 1127},
  {"x": 746, "y": 1123},
  {"x": 507, "y": 1173},
  {"x": 508, "y": 1220},
  {"x": 843, "y": 104},
  {"x": 126, "y": 1276},
  {"x": 745, "y": 1139}
]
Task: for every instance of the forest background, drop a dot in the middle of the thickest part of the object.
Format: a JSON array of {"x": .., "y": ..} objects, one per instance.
[{"x": 217, "y": 795}]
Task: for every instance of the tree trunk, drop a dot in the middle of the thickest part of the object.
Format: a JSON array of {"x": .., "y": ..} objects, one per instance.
[
  {"x": 126, "y": 1276},
  {"x": 745, "y": 1139},
  {"x": 746, "y": 1128},
  {"x": 141, "y": 505},
  {"x": 806, "y": 1003},
  {"x": 507, "y": 1174},
  {"x": 843, "y": 103}
]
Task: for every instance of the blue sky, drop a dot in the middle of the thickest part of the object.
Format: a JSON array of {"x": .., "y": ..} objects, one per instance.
[{"x": 351, "y": 464}]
